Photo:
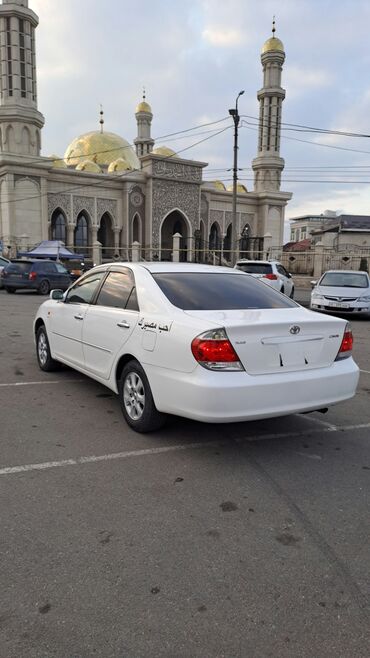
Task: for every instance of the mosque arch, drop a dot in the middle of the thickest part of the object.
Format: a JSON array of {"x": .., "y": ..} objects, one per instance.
[
  {"x": 136, "y": 228},
  {"x": 58, "y": 226},
  {"x": 215, "y": 237},
  {"x": 26, "y": 140},
  {"x": 106, "y": 235},
  {"x": 175, "y": 222},
  {"x": 10, "y": 140},
  {"x": 82, "y": 231},
  {"x": 245, "y": 237},
  {"x": 227, "y": 243}
]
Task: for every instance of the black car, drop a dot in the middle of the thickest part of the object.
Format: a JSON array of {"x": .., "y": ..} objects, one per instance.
[{"x": 40, "y": 275}]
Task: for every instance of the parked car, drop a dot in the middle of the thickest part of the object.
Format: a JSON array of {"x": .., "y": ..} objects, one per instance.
[
  {"x": 3, "y": 263},
  {"x": 269, "y": 271},
  {"x": 343, "y": 291},
  {"x": 208, "y": 343},
  {"x": 40, "y": 275}
]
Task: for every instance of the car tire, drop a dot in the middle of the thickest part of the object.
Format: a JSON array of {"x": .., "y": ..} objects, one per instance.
[
  {"x": 11, "y": 291},
  {"x": 136, "y": 400},
  {"x": 292, "y": 294},
  {"x": 44, "y": 358},
  {"x": 44, "y": 287}
]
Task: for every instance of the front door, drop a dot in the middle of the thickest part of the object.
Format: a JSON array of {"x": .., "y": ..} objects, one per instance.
[{"x": 67, "y": 318}]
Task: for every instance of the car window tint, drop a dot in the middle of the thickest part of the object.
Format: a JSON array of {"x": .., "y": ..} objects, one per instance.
[
  {"x": 255, "y": 268},
  {"x": 45, "y": 267},
  {"x": 199, "y": 291},
  {"x": 344, "y": 280},
  {"x": 133, "y": 304},
  {"x": 116, "y": 290},
  {"x": 61, "y": 269},
  {"x": 3, "y": 262},
  {"x": 18, "y": 268},
  {"x": 84, "y": 291}
]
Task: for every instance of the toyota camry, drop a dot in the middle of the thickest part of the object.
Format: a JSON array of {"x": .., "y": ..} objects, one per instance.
[{"x": 208, "y": 343}]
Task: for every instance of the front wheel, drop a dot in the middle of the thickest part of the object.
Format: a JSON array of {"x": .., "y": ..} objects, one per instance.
[
  {"x": 136, "y": 400},
  {"x": 44, "y": 288},
  {"x": 44, "y": 358}
]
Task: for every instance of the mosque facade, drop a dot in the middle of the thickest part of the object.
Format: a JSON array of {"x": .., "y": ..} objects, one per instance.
[{"x": 105, "y": 195}]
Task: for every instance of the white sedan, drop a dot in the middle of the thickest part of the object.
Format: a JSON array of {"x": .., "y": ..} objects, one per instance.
[
  {"x": 269, "y": 271},
  {"x": 342, "y": 291},
  {"x": 208, "y": 343}
]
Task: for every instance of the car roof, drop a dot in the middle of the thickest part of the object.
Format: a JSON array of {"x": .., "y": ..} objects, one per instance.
[
  {"x": 32, "y": 260},
  {"x": 344, "y": 272},
  {"x": 157, "y": 267},
  {"x": 261, "y": 262}
]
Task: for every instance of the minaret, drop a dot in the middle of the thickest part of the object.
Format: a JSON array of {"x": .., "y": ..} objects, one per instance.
[
  {"x": 144, "y": 142},
  {"x": 20, "y": 120},
  {"x": 268, "y": 164}
]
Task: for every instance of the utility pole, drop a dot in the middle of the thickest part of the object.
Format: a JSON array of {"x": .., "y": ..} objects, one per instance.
[{"x": 236, "y": 118}]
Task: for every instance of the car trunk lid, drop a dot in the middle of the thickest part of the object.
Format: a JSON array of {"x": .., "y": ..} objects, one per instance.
[{"x": 279, "y": 340}]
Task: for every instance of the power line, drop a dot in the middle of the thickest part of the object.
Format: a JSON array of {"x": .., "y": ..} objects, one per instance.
[{"x": 302, "y": 128}]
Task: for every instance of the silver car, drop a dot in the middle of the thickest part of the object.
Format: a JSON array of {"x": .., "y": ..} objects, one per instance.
[
  {"x": 341, "y": 291},
  {"x": 269, "y": 271}
]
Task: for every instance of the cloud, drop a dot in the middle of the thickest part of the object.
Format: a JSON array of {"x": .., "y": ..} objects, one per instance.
[
  {"x": 302, "y": 81},
  {"x": 222, "y": 37}
]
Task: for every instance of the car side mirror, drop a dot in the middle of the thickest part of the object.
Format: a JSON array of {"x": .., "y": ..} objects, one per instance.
[
  {"x": 57, "y": 295},
  {"x": 289, "y": 275},
  {"x": 313, "y": 284}
]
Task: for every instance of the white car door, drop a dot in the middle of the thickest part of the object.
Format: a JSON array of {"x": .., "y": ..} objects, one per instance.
[
  {"x": 109, "y": 322},
  {"x": 286, "y": 280},
  {"x": 67, "y": 317}
]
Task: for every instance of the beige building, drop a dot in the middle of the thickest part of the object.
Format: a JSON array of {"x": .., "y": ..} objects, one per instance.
[{"x": 106, "y": 194}]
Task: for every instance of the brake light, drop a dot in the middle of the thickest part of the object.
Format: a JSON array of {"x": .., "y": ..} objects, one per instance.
[
  {"x": 214, "y": 351},
  {"x": 271, "y": 277},
  {"x": 32, "y": 276},
  {"x": 345, "y": 349}
]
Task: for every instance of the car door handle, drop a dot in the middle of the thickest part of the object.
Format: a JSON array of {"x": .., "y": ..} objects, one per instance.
[
  {"x": 123, "y": 325},
  {"x": 79, "y": 317}
]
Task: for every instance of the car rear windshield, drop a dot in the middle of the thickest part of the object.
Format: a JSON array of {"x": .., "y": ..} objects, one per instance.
[
  {"x": 18, "y": 268},
  {"x": 344, "y": 280},
  {"x": 198, "y": 291},
  {"x": 255, "y": 268}
]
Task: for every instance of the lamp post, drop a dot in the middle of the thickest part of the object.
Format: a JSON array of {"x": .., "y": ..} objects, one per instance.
[{"x": 235, "y": 115}]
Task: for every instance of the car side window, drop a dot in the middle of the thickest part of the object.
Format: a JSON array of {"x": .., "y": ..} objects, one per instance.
[
  {"x": 116, "y": 290},
  {"x": 83, "y": 292},
  {"x": 282, "y": 270},
  {"x": 61, "y": 269}
]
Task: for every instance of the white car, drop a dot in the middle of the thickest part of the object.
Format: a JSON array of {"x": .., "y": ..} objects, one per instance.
[
  {"x": 3, "y": 263},
  {"x": 269, "y": 271},
  {"x": 342, "y": 291},
  {"x": 203, "y": 342}
]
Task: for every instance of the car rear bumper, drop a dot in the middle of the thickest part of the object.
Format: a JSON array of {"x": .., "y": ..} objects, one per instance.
[
  {"x": 217, "y": 397},
  {"x": 19, "y": 284}
]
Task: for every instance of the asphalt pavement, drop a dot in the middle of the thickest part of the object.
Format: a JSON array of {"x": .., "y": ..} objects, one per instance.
[{"x": 199, "y": 541}]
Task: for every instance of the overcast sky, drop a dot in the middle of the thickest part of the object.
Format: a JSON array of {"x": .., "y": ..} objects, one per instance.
[{"x": 194, "y": 56}]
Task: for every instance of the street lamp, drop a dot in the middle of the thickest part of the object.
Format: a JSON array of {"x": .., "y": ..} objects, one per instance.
[{"x": 235, "y": 115}]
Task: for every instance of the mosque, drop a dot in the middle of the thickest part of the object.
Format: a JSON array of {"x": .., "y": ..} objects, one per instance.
[{"x": 105, "y": 195}]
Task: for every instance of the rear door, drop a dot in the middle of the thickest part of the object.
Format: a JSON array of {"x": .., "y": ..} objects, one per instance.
[
  {"x": 110, "y": 322},
  {"x": 17, "y": 274},
  {"x": 67, "y": 318}
]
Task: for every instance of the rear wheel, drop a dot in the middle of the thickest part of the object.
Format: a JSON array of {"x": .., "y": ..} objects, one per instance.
[
  {"x": 44, "y": 287},
  {"x": 44, "y": 358},
  {"x": 136, "y": 400},
  {"x": 11, "y": 291}
]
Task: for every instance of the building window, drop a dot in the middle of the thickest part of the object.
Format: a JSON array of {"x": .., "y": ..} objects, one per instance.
[
  {"x": 269, "y": 126},
  {"x": 58, "y": 226},
  {"x": 22, "y": 57},
  {"x": 10, "y": 59},
  {"x": 33, "y": 61},
  {"x": 82, "y": 231},
  {"x": 261, "y": 124}
]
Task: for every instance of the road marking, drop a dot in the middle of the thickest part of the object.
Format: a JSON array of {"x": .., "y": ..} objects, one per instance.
[
  {"x": 323, "y": 423},
  {"x": 93, "y": 459},
  {"x": 44, "y": 383},
  {"x": 365, "y": 371}
]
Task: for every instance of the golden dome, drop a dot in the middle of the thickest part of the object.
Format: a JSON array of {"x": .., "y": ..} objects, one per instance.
[
  {"x": 101, "y": 148},
  {"x": 118, "y": 166},
  {"x": 273, "y": 43},
  {"x": 144, "y": 107},
  {"x": 218, "y": 185},
  {"x": 241, "y": 189},
  {"x": 89, "y": 166},
  {"x": 165, "y": 151},
  {"x": 57, "y": 162}
]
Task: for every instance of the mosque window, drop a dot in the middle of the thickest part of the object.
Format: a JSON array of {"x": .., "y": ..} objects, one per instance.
[
  {"x": 33, "y": 58},
  {"x": 22, "y": 57},
  {"x": 277, "y": 126},
  {"x": 261, "y": 124},
  {"x": 58, "y": 226},
  {"x": 9, "y": 48},
  {"x": 81, "y": 232},
  {"x": 269, "y": 124}
]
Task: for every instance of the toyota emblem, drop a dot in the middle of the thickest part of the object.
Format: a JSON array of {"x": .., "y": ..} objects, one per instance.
[{"x": 295, "y": 330}]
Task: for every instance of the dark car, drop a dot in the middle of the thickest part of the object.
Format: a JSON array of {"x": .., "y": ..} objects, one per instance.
[
  {"x": 3, "y": 263},
  {"x": 40, "y": 275}
]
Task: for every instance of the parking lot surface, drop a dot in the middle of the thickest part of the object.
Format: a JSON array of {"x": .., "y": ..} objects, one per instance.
[{"x": 213, "y": 541}]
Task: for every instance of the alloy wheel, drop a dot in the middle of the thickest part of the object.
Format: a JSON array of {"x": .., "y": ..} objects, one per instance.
[
  {"x": 134, "y": 396},
  {"x": 42, "y": 347}
]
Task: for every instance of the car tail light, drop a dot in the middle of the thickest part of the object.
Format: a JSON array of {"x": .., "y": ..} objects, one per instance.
[
  {"x": 214, "y": 351},
  {"x": 345, "y": 349},
  {"x": 271, "y": 277},
  {"x": 32, "y": 276}
]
